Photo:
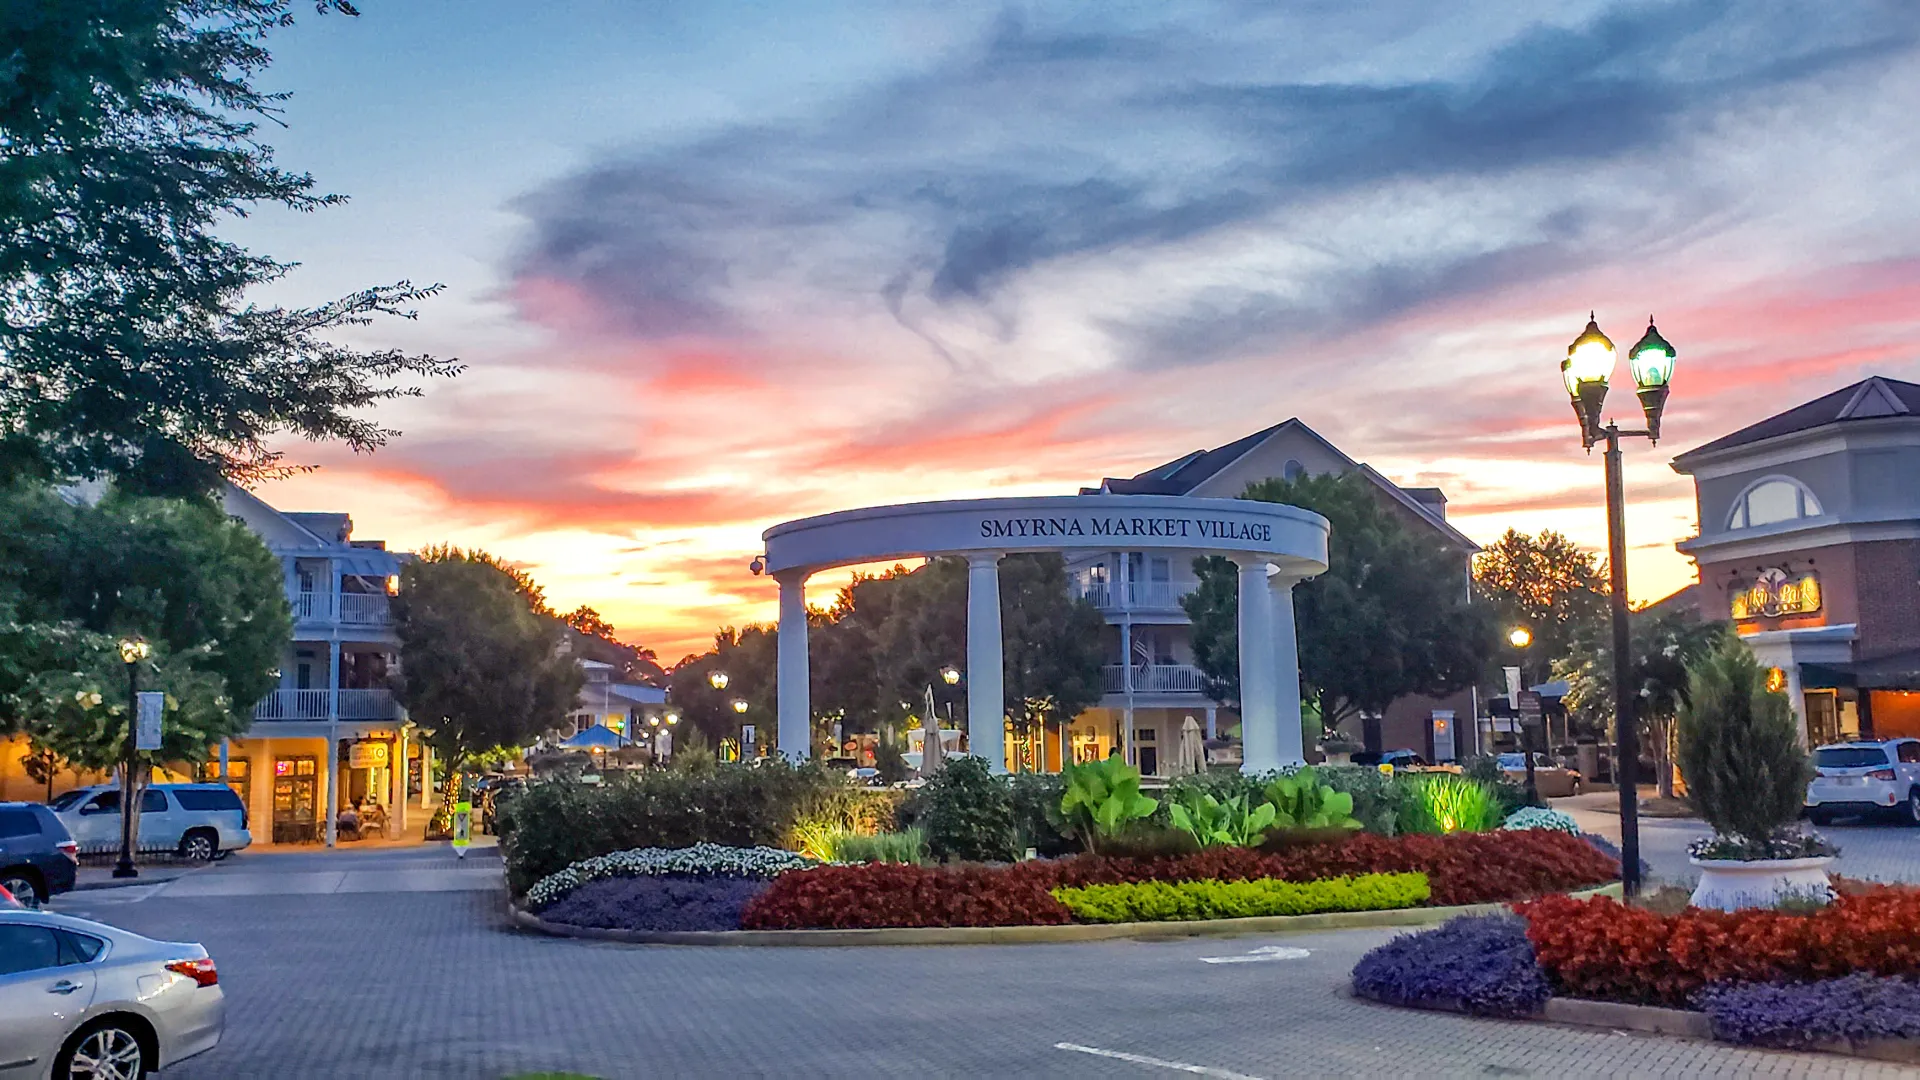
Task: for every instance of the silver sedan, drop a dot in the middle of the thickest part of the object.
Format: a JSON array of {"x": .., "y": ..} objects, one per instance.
[{"x": 79, "y": 999}]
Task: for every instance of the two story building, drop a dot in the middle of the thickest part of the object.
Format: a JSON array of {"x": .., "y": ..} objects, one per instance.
[
  {"x": 1809, "y": 541},
  {"x": 1152, "y": 683},
  {"x": 332, "y": 735}
]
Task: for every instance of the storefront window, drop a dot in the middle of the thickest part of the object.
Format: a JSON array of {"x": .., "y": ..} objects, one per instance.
[{"x": 1823, "y": 716}]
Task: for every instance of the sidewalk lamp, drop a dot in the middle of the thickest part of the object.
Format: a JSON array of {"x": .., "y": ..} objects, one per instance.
[
  {"x": 132, "y": 651},
  {"x": 740, "y": 705},
  {"x": 717, "y": 679},
  {"x": 1588, "y": 366},
  {"x": 950, "y": 675},
  {"x": 1520, "y": 637}
]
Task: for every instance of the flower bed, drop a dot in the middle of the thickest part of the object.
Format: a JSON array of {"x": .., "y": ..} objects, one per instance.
[
  {"x": 1482, "y": 964},
  {"x": 1461, "y": 868},
  {"x": 666, "y": 902},
  {"x": 700, "y": 860},
  {"x": 881, "y": 895},
  {"x": 1602, "y": 949},
  {"x": 1164, "y": 901},
  {"x": 1857, "y": 1007},
  {"x": 1539, "y": 817}
]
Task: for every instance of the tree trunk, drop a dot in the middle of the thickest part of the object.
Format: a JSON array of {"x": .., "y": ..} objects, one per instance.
[
  {"x": 1371, "y": 734},
  {"x": 1663, "y": 754}
]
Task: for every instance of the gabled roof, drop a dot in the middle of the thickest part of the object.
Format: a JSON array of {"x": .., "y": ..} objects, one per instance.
[
  {"x": 1869, "y": 399},
  {"x": 1183, "y": 474}
]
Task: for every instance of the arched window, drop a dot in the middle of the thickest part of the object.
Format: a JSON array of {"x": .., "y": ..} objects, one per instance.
[
  {"x": 1293, "y": 470},
  {"x": 1772, "y": 500}
]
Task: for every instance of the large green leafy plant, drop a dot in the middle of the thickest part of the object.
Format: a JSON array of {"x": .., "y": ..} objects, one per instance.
[
  {"x": 1102, "y": 799},
  {"x": 1302, "y": 801},
  {"x": 1215, "y": 822}
]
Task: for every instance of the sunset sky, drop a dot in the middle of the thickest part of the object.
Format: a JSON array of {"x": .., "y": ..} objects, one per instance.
[{"x": 714, "y": 266}]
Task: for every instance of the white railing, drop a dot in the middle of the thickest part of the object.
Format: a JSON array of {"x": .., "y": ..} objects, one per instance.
[
  {"x": 1138, "y": 595},
  {"x": 352, "y": 609},
  {"x": 312, "y": 705},
  {"x": 365, "y": 609},
  {"x": 1156, "y": 679}
]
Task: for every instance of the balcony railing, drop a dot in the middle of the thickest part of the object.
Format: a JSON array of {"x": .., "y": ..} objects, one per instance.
[
  {"x": 312, "y": 705},
  {"x": 1156, "y": 679},
  {"x": 350, "y": 609},
  {"x": 1136, "y": 595}
]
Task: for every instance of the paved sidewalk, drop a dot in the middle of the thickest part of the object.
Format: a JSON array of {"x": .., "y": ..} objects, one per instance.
[
  {"x": 1872, "y": 850},
  {"x": 391, "y": 869}
]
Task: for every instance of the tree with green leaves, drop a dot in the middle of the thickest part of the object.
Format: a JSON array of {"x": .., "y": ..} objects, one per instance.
[
  {"x": 482, "y": 662},
  {"x": 1390, "y": 617},
  {"x": 1667, "y": 644},
  {"x": 129, "y": 347},
  {"x": 593, "y": 639},
  {"x": 1740, "y": 750},
  {"x": 749, "y": 659},
  {"x": 77, "y": 577},
  {"x": 1550, "y": 586}
]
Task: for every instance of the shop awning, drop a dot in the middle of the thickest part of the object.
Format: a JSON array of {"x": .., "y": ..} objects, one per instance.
[{"x": 1895, "y": 671}]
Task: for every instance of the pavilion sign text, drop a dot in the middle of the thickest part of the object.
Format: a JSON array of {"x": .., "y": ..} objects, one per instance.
[{"x": 1175, "y": 527}]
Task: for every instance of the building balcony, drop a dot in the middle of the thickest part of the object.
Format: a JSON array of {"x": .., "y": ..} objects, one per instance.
[
  {"x": 347, "y": 609},
  {"x": 1136, "y": 595},
  {"x": 376, "y": 704},
  {"x": 1156, "y": 679}
]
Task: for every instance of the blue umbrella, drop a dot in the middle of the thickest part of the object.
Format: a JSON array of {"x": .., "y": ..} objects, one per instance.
[{"x": 597, "y": 737}]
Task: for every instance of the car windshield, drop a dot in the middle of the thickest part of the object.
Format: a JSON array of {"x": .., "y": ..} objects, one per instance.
[
  {"x": 66, "y": 801},
  {"x": 1849, "y": 757},
  {"x": 1513, "y": 761}
]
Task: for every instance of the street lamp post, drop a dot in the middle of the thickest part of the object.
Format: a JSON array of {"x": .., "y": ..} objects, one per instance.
[
  {"x": 1585, "y": 371},
  {"x": 1520, "y": 637},
  {"x": 132, "y": 651}
]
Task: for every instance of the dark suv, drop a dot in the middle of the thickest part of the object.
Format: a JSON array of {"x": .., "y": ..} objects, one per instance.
[{"x": 37, "y": 856}]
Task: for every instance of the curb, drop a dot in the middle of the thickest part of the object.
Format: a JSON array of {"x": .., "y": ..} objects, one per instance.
[{"x": 1026, "y": 935}]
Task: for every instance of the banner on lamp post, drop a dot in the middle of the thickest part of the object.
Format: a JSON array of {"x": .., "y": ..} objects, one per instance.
[{"x": 151, "y": 704}]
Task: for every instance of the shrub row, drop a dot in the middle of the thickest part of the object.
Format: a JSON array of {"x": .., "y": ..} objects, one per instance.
[
  {"x": 558, "y": 823},
  {"x": 700, "y": 860},
  {"x": 1481, "y": 963},
  {"x": 885, "y": 894},
  {"x": 657, "y": 903},
  {"x": 1600, "y": 949},
  {"x": 1859, "y": 1006},
  {"x": 1181, "y": 901},
  {"x": 1461, "y": 868}
]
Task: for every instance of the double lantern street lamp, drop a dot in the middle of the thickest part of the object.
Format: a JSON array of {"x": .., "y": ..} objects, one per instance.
[
  {"x": 132, "y": 652},
  {"x": 1589, "y": 364}
]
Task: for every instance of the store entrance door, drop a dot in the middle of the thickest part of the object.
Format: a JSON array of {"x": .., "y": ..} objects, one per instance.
[{"x": 295, "y": 797}]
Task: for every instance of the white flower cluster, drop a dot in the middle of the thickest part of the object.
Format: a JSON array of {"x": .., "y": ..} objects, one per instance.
[
  {"x": 1539, "y": 817},
  {"x": 703, "y": 860}
]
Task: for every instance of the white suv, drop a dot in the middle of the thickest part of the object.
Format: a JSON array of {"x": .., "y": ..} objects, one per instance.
[
  {"x": 1881, "y": 777},
  {"x": 199, "y": 821}
]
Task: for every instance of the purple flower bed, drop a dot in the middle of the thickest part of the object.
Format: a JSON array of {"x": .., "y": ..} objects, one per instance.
[
  {"x": 671, "y": 902},
  {"x": 1859, "y": 1006},
  {"x": 1480, "y": 963}
]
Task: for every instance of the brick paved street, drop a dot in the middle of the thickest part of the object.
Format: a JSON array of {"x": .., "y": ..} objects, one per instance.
[{"x": 423, "y": 983}]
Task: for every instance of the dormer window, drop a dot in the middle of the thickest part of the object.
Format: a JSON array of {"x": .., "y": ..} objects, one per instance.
[{"x": 1773, "y": 500}]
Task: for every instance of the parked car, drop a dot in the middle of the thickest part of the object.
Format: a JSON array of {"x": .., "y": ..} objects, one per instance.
[
  {"x": 1875, "y": 777},
  {"x": 37, "y": 856},
  {"x": 83, "y": 999},
  {"x": 1399, "y": 759},
  {"x": 1552, "y": 781},
  {"x": 199, "y": 821}
]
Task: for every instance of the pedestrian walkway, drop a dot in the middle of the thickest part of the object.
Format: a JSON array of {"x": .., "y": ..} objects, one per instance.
[{"x": 284, "y": 872}]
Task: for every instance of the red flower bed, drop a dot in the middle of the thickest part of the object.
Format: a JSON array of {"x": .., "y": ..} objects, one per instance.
[
  {"x": 881, "y": 894},
  {"x": 1601, "y": 949},
  {"x": 1462, "y": 868}
]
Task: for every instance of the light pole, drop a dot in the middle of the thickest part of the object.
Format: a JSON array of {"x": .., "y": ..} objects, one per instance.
[
  {"x": 1585, "y": 371},
  {"x": 1520, "y": 637},
  {"x": 740, "y": 708},
  {"x": 132, "y": 651},
  {"x": 717, "y": 679}
]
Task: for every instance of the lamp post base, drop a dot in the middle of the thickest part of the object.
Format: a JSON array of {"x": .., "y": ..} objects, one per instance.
[{"x": 125, "y": 870}]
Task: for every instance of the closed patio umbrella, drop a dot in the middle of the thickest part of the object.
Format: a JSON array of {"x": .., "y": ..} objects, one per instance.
[
  {"x": 1191, "y": 756},
  {"x": 932, "y": 753}
]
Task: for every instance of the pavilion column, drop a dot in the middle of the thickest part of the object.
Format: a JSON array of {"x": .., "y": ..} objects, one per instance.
[
  {"x": 1286, "y": 671},
  {"x": 795, "y": 729},
  {"x": 333, "y": 741},
  {"x": 986, "y": 708},
  {"x": 1259, "y": 715}
]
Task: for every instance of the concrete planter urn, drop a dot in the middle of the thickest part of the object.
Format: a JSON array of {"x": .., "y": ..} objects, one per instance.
[{"x": 1732, "y": 884}]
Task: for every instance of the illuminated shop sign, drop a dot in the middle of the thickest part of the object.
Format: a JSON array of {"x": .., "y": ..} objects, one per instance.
[{"x": 1776, "y": 592}]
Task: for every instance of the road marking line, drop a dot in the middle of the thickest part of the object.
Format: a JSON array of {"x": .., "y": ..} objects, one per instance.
[
  {"x": 1264, "y": 953},
  {"x": 1142, "y": 1059}
]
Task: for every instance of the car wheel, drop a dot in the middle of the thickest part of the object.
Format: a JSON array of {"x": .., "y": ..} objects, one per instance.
[
  {"x": 200, "y": 845},
  {"x": 105, "y": 1050},
  {"x": 1911, "y": 816},
  {"x": 25, "y": 886}
]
